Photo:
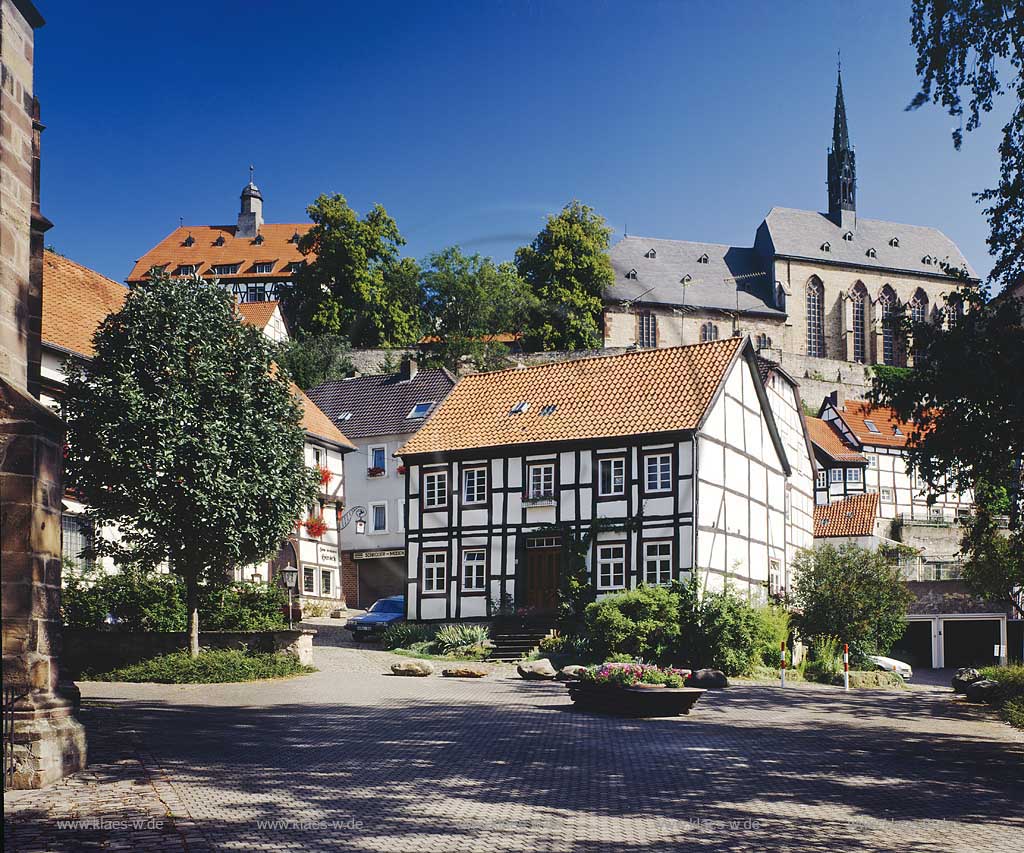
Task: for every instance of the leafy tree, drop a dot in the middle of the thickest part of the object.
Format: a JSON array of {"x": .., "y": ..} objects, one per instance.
[
  {"x": 313, "y": 359},
  {"x": 852, "y": 593},
  {"x": 355, "y": 285},
  {"x": 978, "y": 46},
  {"x": 993, "y": 559},
  {"x": 184, "y": 434},
  {"x": 568, "y": 269},
  {"x": 719, "y": 629},
  {"x": 468, "y": 299}
]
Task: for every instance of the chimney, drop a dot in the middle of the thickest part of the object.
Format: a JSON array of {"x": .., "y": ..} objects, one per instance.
[{"x": 409, "y": 368}]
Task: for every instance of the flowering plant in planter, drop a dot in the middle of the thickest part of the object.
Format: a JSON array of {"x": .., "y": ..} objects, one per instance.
[
  {"x": 401, "y": 469},
  {"x": 325, "y": 475},
  {"x": 316, "y": 527},
  {"x": 632, "y": 674},
  {"x": 375, "y": 472}
]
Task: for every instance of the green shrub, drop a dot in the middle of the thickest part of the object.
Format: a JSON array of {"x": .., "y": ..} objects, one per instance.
[
  {"x": 243, "y": 607},
  {"x": 463, "y": 635},
  {"x": 825, "y": 662},
  {"x": 773, "y": 629},
  {"x": 404, "y": 635},
  {"x": 640, "y": 623},
  {"x": 1011, "y": 691},
  {"x": 211, "y": 667},
  {"x": 573, "y": 645},
  {"x": 316, "y": 609},
  {"x": 720, "y": 630}
]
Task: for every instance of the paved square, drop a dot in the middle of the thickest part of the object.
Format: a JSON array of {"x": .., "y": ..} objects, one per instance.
[{"x": 353, "y": 759}]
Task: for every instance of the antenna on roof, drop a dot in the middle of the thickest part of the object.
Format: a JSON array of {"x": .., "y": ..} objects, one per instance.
[{"x": 625, "y": 230}]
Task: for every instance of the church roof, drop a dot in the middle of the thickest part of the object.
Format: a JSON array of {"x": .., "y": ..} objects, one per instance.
[
  {"x": 659, "y": 279},
  {"x": 276, "y": 247},
  {"x": 801, "y": 234}
]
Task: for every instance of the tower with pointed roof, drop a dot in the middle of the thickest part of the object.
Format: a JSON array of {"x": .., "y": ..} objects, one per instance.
[
  {"x": 250, "y": 218},
  {"x": 842, "y": 167}
]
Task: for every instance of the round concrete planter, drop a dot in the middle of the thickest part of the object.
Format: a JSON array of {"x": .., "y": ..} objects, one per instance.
[{"x": 640, "y": 701}]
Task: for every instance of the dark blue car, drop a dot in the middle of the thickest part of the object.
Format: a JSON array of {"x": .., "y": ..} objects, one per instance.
[{"x": 383, "y": 612}]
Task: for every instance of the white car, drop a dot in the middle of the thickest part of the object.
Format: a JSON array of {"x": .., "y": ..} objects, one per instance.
[{"x": 892, "y": 665}]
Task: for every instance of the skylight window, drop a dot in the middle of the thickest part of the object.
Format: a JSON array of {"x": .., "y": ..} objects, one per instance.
[
  {"x": 549, "y": 410},
  {"x": 420, "y": 410},
  {"x": 519, "y": 408},
  {"x": 871, "y": 426},
  {"x": 344, "y": 416},
  {"x": 896, "y": 430}
]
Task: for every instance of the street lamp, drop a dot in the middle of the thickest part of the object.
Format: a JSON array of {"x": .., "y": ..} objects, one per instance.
[
  {"x": 291, "y": 579},
  {"x": 359, "y": 514}
]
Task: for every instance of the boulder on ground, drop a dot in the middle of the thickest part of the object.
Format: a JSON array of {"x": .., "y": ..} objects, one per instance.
[
  {"x": 963, "y": 677},
  {"x": 570, "y": 673},
  {"x": 984, "y": 690},
  {"x": 464, "y": 672},
  {"x": 536, "y": 670},
  {"x": 412, "y": 667},
  {"x": 707, "y": 678}
]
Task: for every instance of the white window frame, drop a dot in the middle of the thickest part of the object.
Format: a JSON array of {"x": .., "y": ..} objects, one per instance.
[
  {"x": 373, "y": 518},
  {"x": 546, "y": 470},
  {"x": 412, "y": 412},
  {"x": 655, "y": 553},
  {"x": 264, "y": 268},
  {"x": 647, "y": 330},
  {"x": 608, "y": 557},
  {"x": 479, "y": 473},
  {"x": 835, "y": 475},
  {"x": 774, "y": 576},
  {"x": 872, "y": 460},
  {"x": 435, "y": 489},
  {"x": 370, "y": 451},
  {"x": 474, "y": 570},
  {"x": 310, "y": 573},
  {"x": 853, "y": 475},
  {"x": 329, "y": 574},
  {"x": 882, "y": 490},
  {"x": 822, "y": 480},
  {"x": 657, "y": 459},
  {"x": 434, "y": 562},
  {"x": 401, "y": 516},
  {"x": 614, "y": 462}
]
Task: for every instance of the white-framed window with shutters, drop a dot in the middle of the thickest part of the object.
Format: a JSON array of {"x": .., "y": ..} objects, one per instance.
[
  {"x": 541, "y": 482},
  {"x": 611, "y": 566},
  {"x": 611, "y": 477},
  {"x": 435, "y": 571},
  {"x": 657, "y": 563},
  {"x": 474, "y": 570},
  {"x": 435, "y": 490},
  {"x": 474, "y": 485},
  {"x": 658, "y": 472}
]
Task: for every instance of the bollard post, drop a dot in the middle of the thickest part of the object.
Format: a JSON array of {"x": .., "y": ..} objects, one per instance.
[
  {"x": 846, "y": 666},
  {"x": 782, "y": 664}
]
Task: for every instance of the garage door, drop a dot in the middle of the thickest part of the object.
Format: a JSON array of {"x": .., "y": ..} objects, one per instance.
[
  {"x": 969, "y": 642},
  {"x": 379, "y": 579},
  {"x": 915, "y": 646}
]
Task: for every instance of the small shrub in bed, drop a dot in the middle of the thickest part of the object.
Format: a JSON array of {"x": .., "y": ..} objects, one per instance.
[
  {"x": 404, "y": 635},
  {"x": 631, "y": 674},
  {"x": 453, "y": 638},
  {"x": 213, "y": 666}
]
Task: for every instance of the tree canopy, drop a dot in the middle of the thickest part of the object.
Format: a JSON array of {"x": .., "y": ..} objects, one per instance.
[
  {"x": 184, "y": 434},
  {"x": 978, "y": 46},
  {"x": 568, "y": 269},
  {"x": 355, "y": 283},
  {"x": 467, "y": 300},
  {"x": 313, "y": 359}
]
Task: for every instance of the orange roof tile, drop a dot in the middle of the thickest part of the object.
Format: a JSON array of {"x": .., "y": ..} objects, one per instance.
[
  {"x": 317, "y": 423},
  {"x": 76, "y": 300},
  {"x": 257, "y": 314},
  {"x": 276, "y": 248},
  {"x": 827, "y": 439},
  {"x": 856, "y": 412},
  {"x": 651, "y": 391},
  {"x": 852, "y": 516}
]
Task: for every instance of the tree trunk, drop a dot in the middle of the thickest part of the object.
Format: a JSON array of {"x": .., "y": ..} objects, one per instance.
[{"x": 192, "y": 605}]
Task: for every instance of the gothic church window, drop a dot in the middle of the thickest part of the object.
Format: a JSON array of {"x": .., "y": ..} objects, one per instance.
[
  {"x": 889, "y": 305},
  {"x": 708, "y": 332},
  {"x": 646, "y": 330},
  {"x": 860, "y": 325},
  {"x": 815, "y": 318}
]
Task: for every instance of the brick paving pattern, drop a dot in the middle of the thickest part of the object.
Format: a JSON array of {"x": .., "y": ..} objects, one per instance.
[{"x": 352, "y": 759}]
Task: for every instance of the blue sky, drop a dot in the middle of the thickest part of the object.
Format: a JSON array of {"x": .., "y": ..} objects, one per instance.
[{"x": 470, "y": 121}]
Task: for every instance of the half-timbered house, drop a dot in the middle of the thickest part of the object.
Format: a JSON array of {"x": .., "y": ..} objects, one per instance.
[
  {"x": 672, "y": 459},
  {"x": 840, "y": 468}
]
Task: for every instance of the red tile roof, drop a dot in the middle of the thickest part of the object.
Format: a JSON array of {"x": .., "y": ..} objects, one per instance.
[
  {"x": 650, "y": 391},
  {"x": 856, "y": 412},
  {"x": 257, "y": 313},
  {"x": 852, "y": 516},
  {"x": 76, "y": 299},
  {"x": 826, "y": 438},
  {"x": 317, "y": 423},
  {"x": 277, "y": 248}
]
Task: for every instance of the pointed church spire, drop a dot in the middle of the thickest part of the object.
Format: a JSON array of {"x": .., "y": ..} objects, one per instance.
[{"x": 842, "y": 168}]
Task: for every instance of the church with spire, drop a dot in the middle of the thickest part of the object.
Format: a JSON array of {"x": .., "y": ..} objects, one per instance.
[{"x": 813, "y": 287}]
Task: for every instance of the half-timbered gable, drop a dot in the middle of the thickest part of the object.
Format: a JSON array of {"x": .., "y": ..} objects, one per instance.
[
  {"x": 840, "y": 468},
  {"x": 514, "y": 460}
]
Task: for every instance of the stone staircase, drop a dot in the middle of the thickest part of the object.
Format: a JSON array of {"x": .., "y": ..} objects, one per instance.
[{"x": 511, "y": 643}]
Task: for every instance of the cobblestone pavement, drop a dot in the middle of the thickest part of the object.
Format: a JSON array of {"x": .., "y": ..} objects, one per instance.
[{"x": 352, "y": 759}]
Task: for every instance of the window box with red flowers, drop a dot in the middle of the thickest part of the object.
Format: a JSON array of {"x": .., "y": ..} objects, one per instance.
[
  {"x": 316, "y": 526},
  {"x": 401, "y": 469},
  {"x": 374, "y": 472},
  {"x": 325, "y": 476}
]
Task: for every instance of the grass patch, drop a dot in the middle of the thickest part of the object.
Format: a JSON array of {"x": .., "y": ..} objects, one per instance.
[
  {"x": 423, "y": 652},
  {"x": 213, "y": 666},
  {"x": 1011, "y": 691}
]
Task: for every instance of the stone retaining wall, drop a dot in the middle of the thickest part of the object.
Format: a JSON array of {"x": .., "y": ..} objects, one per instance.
[{"x": 100, "y": 651}]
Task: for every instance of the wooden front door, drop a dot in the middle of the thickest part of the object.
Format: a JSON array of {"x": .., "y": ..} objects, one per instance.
[{"x": 542, "y": 578}]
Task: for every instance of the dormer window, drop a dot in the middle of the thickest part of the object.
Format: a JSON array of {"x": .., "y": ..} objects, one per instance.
[
  {"x": 187, "y": 269},
  {"x": 928, "y": 260},
  {"x": 519, "y": 408},
  {"x": 826, "y": 246},
  {"x": 895, "y": 242},
  {"x": 631, "y": 274},
  {"x": 686, "y": 279},
  {"x": 189, "y": 240},
  {"x": 224, "y": 269},
  {"x": 848, "y": 236},
  {"x": 871, "y": 253},
  {"x": 219, "y": 241},
  {"x": 294, "y": 266},
  {"x": 263, "y": 268},
  {"x": 703, "y": 259},
  {"x": 259, "y": 240},
  {"x": 651, "y": 253},
  {"x": 295, "y": 238}
]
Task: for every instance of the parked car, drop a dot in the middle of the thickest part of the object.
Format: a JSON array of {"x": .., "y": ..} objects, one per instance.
[
  {"x": 383, "y": 612},
  {"x": 902, "y": 669}
]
